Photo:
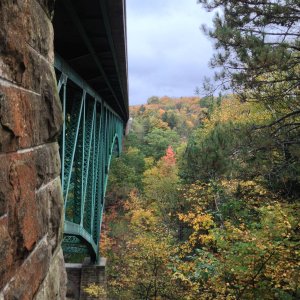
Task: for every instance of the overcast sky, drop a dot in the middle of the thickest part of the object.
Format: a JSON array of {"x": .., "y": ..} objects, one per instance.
[{"x": 167, "y": 52}]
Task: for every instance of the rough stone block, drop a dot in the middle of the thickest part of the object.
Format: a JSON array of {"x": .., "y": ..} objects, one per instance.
[
  {"x": 26, "y": 119},
  {"x": 12, "y": 25},
  {"x": 54, "y": 285},
  {"x": 28, "y": 217},
  {"x": 25, "y": 284},
  {"x": 47, "y": 163},
  {"x": 50, "y": 212},
  {"x": 22, "y": 206},
  {"x": 38, "y": 74},
  {"x": 40, "y": 29},
  {"x": 3, "y": 196},
  {"x": 26, "y": 59},
  {"x": 25, "y": 23},
  {"x": 56, "y": 221},
  {"x": 6, "y": 250}
]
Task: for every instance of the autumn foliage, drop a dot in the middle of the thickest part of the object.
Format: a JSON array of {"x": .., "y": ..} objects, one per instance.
[{"x": 207, "y": 211}]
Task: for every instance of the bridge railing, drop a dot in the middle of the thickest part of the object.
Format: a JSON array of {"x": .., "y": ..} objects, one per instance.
[{"x": 91, "y": 132}]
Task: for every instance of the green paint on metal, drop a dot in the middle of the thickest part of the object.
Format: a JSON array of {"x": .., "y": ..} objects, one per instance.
[{"x": 91, "y": 132}]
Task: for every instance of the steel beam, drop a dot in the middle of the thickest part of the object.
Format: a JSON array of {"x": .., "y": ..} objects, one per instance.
[{"x": 91, "y": 129}]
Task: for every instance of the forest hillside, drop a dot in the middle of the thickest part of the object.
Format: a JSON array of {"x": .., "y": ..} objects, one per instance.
[{"x": 203, "y": 204}]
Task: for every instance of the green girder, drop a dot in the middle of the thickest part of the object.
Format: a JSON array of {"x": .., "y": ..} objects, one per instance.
[{"x": 91, "y": 132}]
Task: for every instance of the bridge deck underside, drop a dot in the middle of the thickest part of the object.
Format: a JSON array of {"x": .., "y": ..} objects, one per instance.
[{"x": 91, "y": 38}]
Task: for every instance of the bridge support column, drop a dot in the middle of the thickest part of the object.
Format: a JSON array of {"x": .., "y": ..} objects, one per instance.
[
  {"x": 81, "y": 276},
  {"x": 31, "y": 204}
]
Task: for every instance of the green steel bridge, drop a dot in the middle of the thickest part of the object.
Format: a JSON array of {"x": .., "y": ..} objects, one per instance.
[{"x": 91, "y": 71}]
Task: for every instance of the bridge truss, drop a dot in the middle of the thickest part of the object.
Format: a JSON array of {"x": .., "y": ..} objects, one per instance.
[{"x": 92, "y": 132}]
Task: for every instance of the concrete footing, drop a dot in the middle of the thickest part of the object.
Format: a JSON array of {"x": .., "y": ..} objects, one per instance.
[{"x": 82, "y": 276}]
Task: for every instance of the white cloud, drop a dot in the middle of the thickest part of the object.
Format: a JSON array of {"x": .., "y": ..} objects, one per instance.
[{"x": 168, "y": 53}]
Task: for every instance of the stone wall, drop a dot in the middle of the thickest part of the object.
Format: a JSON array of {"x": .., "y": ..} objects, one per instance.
[
  {"x": 92, "y": 273},
  {"x": 82, "y": 276},
  {"x": 31, "y": 205},
  {"x": 74, "y": 281}
]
